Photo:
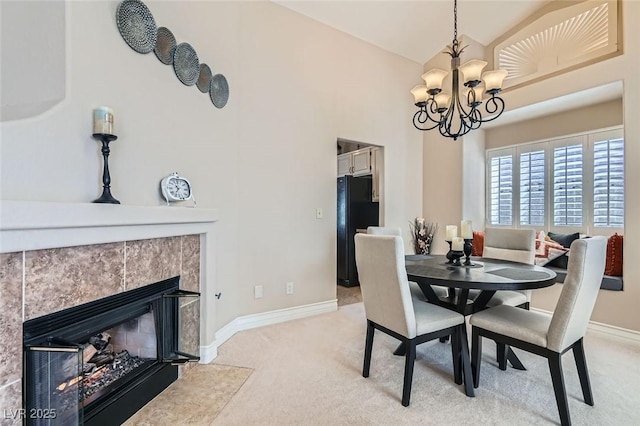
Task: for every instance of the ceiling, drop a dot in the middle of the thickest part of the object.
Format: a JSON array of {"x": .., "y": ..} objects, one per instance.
[{"x": 418, "y": 29}]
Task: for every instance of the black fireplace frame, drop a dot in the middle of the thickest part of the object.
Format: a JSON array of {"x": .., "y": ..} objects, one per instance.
[{"x": 124, "y": 398}]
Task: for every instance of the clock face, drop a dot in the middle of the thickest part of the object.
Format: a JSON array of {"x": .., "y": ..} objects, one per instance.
[
  {"x": 179, "y": 188},
  {"x": 176, "y": 188}
]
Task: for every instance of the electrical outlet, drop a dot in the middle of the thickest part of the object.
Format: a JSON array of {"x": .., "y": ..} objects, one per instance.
[
  {"x": 289, "y": 288},
  {"x": 319, "y": 213},
  {"x": 257, "y": 292}
]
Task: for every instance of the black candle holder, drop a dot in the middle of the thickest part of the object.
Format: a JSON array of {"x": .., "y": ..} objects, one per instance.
[
  {"x": 106, "y": 196},
  {"x": 449, "y": 254},
  {"x": 468, "y": 248},
  {"x": 456, "y": 255}
]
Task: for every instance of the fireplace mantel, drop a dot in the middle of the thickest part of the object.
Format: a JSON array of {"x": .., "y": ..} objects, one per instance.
[{"x": 35, "y": 225}]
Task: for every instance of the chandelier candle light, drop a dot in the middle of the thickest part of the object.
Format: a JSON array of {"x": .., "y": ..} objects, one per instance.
[
  {"x": 103, "y": 131},
  {"x": 445, "y": 111}
]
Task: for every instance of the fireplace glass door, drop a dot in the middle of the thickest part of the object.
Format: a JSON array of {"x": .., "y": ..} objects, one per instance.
[{"x": 56, "y": 373}]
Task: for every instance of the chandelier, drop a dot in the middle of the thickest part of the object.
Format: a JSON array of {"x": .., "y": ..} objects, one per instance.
[{"x": 438, "y": 109}]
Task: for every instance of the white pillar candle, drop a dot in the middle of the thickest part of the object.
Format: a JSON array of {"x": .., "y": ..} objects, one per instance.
[
  {"x": 465, "y": 230},
  {"x": 451, "y": 232},
  {"x": 457, "y": 244},
  {"x": 103, "y": 120}
]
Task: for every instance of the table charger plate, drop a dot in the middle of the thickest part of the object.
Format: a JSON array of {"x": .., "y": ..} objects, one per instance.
[
  {"x": 204, "y": 78},
  {"x": 165, "y": 46},
  {"x": 136, "y": 25},
  {"x": 219, "y": 90},
  {"x": 186, "y": 64}
]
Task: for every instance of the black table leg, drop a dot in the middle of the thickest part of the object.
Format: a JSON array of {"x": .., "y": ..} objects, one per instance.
[{"x": 401, "y": 350}]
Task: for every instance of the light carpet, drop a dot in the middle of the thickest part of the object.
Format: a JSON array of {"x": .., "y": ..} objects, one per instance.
[{"x": 309, "y": 372}]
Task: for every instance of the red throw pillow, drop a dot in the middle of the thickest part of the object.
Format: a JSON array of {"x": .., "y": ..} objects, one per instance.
[
  {"x": 478, "y": 243},
  {"x": 613, "y": 266}
]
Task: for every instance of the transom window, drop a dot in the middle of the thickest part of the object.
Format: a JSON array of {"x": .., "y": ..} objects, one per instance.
[{"x": 571, "y": 184}]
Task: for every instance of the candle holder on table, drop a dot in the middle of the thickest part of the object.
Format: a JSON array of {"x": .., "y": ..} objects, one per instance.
[
  {"x": 106, "y": 196},
  {"x": 468, "y": 248},
  {"x": 456, "y": 255},
  {"x": 453, "y": 255}
]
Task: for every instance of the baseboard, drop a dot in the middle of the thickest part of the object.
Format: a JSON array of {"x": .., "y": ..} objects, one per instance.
[
  {"x": 612, "y": 330},
  {"x": 209, "y": 352}
]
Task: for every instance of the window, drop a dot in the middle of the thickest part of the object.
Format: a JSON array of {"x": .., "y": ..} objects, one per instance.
[
  {"x": 608, "y": 183},
  {"x": 574, "y": 183},
  {"x": 532, "y": 188},
  {"x": 501, "y": 190},
  {"x": 567, "y": 186}
]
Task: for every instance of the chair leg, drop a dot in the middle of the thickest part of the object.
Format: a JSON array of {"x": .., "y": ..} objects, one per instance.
[
  {"x": 466, "y": 362},
  {"x": 455, "y": 356},
  {"x": 408, "y": 371},
  {"x": 501, "y": 354},
  {"x": 583, "y": 373},
  {"x": 476, "y": 355},
  {"x": 368, "y": 346},
  {"x": 555, "y": 367}
]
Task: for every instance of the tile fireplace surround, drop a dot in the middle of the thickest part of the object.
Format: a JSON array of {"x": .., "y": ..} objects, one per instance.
[{"x": 57, "y": 255}]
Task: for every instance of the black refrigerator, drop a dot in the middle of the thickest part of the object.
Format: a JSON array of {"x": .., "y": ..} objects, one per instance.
[{"x": 356, "y": 211}]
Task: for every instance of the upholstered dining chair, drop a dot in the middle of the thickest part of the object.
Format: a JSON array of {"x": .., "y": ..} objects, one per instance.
[
  {"x": 517, "y": 245},
  {"x": 550, "y": 335},
  {"x": 416, "y": 292},
  {"x": 390, "y": 308}
]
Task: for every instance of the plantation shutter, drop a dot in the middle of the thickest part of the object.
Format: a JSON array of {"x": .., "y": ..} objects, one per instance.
[
  {"x": 532, "y": 188},
  {"x": 501, "y": 195},
  {"x": 567, "y": 185},
  {"x": 608, "y": 183}
]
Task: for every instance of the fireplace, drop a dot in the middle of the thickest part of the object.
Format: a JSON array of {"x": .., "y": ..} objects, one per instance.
[
  {"x": 55, "y": 256},
  {"x": 99, "y": 362}
]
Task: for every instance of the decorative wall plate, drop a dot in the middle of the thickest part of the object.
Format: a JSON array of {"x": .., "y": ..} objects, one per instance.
[
  {"x": 186, "y": 64},
  {"x": 219, "y": 90},
  {"x": 204, "y": 80},
  {"x": 165, "y": 46},
  {"x": 136, "y": 25}
]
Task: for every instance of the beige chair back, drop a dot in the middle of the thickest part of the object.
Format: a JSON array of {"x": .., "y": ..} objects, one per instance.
[
  {"x": 384, "y": 284},
  {"x": 517, "y": 245},
  {"x": 580, "y": 290},
  {"x": 380, "y": 230}
]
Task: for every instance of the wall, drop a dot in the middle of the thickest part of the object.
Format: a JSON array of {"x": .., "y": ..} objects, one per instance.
[
  {"x": 265, "y": 161},
  {"x": 593, "y": 117},
  {"x": 442, "y": 195}
]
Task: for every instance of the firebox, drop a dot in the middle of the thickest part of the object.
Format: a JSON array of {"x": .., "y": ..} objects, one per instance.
[{"x": 100, "y": 362}]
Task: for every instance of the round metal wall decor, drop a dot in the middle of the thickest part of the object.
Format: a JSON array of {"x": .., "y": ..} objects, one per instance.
[
  {"x": 186, "y": 64},
  {"x": 136, "y": 25},
  {"x": 165, "y": 46},
  {"x": 219, "y": 90},
  {"x": 204, "y": 80}
]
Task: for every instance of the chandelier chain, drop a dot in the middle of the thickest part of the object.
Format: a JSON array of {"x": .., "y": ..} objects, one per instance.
[{"x": 455, "y": 19}]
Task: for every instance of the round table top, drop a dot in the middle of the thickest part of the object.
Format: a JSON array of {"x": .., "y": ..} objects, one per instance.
[{"x": 484, "y": 274}]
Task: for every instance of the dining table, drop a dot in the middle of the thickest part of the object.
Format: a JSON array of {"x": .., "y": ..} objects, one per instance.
[{"x": 484, "y": 274}]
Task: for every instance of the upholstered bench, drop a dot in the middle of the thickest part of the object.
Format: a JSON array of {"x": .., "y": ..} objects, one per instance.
[
  {"x": 609, "y": 282},
  {"x": 552, "y": 252}
]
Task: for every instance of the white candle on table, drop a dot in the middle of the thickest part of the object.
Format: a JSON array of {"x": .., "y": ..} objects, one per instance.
[
  {"x": 451, "y": 232},
  {"x": 465, "y": 230},
  {"x": 103, "y": 120},
  {"x": 457, "y": 244}
]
